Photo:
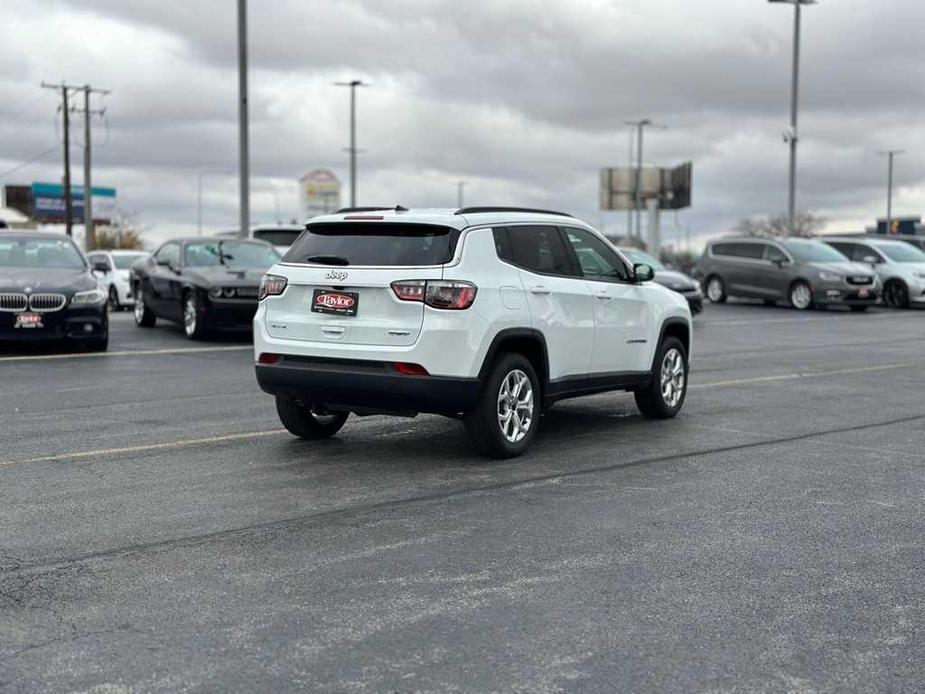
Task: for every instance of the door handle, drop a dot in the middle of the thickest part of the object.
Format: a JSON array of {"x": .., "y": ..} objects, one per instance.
[
  {"x": 332, "y": 331},
  {"x": 604, "y": 296},
  {"x": 539, "y": 289}
]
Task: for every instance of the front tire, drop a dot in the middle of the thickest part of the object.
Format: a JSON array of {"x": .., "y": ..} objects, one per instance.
[
  {"x": 716, "y": 289},
  {"x": 308, "y": 421},
  {"x": 114, "y": 304},
  {"x": 144, "y": 316},
  {"x": 896, "y": 294},
  {"x": 665, "y": 395},
  {"x": 193, "y": 325},
  {"x": 801, "y": 296},
  {"x": 506, "y": 416}
]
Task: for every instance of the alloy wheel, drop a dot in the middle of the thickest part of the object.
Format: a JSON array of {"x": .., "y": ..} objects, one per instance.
[
  {"x": 190, "y": 317},
  {"x": 139, "y": 308},
  {"x": 673, "y": 377},
  {"x": 801, "y": 296},
  {"x": 515, "y": 406},
  {"x": 715, "y": 290}
]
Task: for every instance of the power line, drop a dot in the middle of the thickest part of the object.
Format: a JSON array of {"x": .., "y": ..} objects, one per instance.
[{"x": 31, "y": 160}]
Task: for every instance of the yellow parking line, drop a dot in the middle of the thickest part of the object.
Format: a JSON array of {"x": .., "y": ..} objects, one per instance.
[
  {"x": 146, "y": 447},
  {"x": 811, "y": 374},
  {"x": 129, "y": 353}
]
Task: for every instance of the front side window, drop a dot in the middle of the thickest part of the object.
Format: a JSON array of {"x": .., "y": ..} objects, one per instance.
[
  {"x": 169, "y": 253},
  {"x": 902, "y": 252},
  {"x": 26, "y": 251},
  {"x": 535, "y": 248},
  {"x": 774, "y": 254},
  {"x": 595, "y": 257},
  {"x": 232, "y": 254}
]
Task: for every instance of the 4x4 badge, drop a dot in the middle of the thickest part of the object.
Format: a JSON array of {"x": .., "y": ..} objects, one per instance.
[{"x": 336, "y": 275}]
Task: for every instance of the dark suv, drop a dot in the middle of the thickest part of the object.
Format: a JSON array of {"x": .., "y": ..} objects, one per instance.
[{"x": 801, "y": 272}]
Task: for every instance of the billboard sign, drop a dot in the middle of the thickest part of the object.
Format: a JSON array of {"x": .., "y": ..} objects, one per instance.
[
  {"x": 48, "y": 203},
  {"x": 319, "y": 191},
  {"x": 672, "y": 187}
]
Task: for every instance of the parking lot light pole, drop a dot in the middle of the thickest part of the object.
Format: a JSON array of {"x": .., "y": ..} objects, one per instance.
[
  {"x": 890, "y": 155},
  {"x": 243, "y": 145},
  {"x": 792, "y": 137},
  {"x": 353, "y": 84}
]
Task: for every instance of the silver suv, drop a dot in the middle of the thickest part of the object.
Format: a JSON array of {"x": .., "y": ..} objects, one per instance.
[
  {"x": 801, "y": 272},
  {"x": 899, "y": 266}
]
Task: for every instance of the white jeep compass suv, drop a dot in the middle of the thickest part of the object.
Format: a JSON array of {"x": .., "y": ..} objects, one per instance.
[{"x": 487, "y": 314}]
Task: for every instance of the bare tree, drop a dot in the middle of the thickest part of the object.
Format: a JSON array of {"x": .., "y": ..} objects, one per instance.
[{"x": 807, "y": 224}]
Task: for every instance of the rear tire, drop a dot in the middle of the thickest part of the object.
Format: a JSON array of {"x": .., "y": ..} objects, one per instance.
[
  {"x": 144, "y": 316},
  {"x": 308, "y": 421},
  {"x": 665, "y": 395},
  {"x": 506, "y": 416},
  {"x": 715, "y": 289}
]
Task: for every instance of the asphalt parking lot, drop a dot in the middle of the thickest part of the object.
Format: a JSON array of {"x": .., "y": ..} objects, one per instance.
[{"x": 160, "y": 531}]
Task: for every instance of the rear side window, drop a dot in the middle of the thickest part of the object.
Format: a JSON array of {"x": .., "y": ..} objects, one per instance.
[
  {"x": 389, "y": 244},
  {"x": 535, "y": 248},
  {"x": 753, "y": 251}
]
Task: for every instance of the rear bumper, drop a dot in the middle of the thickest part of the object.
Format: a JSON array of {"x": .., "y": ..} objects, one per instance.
[{"x": 365, "y": 386}]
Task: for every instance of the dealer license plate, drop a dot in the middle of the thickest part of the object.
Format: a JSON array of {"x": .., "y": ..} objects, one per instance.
[
  {"x": 334, "y": 302},
  {"x": 28, "y": 320}
]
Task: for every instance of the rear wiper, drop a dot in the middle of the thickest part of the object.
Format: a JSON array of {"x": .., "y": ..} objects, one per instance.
[{"x": 327, "y": 260}]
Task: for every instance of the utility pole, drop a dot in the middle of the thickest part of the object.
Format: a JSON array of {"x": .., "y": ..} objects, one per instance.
[
  {"x": 66, "y": 121},
  {"x": 459, "y": 194},
  {"x": 243, "y": 152},
  {"x": 640, "y": 126},
  {"x": 353, "y": 84},
  {"x": 792, "y": 137},
  {"x": 629, "y": 210},
  {"x": 890, "y": 155},
  {"x": 90, "y": 232}
]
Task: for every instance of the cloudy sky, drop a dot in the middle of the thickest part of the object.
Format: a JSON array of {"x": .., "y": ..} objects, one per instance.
[{"x": 523, "y": 99}]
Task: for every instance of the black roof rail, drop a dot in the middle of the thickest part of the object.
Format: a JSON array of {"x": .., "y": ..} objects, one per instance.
[
  {"x": 349, "y": 210},
  {"x": 477, "y": 210}
]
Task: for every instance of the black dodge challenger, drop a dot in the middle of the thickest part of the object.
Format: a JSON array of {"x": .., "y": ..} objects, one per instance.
[
  {"x": 48, "y": 291},
  {"x": 202, "y": 284}
]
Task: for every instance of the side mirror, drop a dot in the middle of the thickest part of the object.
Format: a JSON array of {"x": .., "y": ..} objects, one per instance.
[
  {"x": 100, "y": 266},
  {"x": 643, "y": 272},
  {"x": 870, "y": 260},
  {"x": 782, "y": 262}
]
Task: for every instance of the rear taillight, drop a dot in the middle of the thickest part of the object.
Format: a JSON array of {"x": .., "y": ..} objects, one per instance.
[
  {"x": 268, "y": 358},
  {"x": 446, "y": 294},
  {"x": 271, "y": 285}
]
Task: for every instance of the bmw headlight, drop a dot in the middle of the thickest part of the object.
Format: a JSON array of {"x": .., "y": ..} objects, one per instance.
[
  {"x": 830, "y": 277},
  {"x": 91, "y": 296}
]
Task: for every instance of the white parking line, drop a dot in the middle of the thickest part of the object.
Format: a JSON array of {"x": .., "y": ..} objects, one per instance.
[
  {"x": 810, "y": 374},
  {"x": 146, "y": 447},
  {"x": 129, "y": 353}
]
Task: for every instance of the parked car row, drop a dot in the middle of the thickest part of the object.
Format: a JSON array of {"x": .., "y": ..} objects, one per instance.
[{"x": 810, "y": 272}]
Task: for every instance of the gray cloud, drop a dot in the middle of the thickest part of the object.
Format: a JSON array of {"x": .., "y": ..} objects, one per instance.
[{"x": 522, "y": 99}]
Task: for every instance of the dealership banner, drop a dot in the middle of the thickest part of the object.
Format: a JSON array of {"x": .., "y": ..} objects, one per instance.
[
  {"x": 320, "y": 192},
  {"x": 48, "y": 203}
]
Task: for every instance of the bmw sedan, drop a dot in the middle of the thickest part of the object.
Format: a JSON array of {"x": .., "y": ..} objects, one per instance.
[
  {"x": 202, "y": 284},
  {"x": 48, "y": 292}
]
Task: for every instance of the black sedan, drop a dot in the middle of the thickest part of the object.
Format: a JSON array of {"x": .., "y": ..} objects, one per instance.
[
  {"x": 685, "y": 285},
  {"x": 202, "y": 284},
  {"x": 48, "y": 291}
]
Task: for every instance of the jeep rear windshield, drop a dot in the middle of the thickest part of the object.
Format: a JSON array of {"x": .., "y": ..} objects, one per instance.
[{"x": 396, "y": 244}]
